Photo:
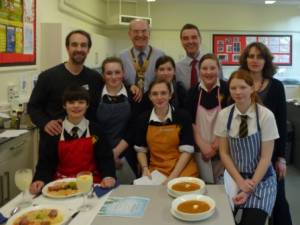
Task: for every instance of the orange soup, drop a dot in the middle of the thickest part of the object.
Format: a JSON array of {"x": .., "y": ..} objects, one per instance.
[
  {"x": 185, "y": 186},
  {"x": 193, "y": 206}
]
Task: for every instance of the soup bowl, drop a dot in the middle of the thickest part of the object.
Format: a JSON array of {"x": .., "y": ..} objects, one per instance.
[
  {"x": 185, "y": 185},
  {"x": 193, "y": 207}
]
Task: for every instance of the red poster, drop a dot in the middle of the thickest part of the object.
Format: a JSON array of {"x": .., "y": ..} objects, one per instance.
[{"x": 228, "y": 47}]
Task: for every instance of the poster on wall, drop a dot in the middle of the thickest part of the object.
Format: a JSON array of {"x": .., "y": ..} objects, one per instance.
[
  {"x": 228, "y": 47},
  {"x": 17, "y": 32}
]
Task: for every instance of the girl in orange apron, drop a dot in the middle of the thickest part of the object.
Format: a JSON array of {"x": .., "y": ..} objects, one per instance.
[
  {"x": 79, "y": 147},
  {"x": 164, "y": 136}
]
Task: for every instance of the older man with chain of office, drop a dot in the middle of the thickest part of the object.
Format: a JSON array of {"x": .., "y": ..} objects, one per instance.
[{"x": 139, "y": 60}]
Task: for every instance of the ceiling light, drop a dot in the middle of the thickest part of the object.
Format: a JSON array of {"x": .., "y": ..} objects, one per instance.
[
  {"x": 151, "y": 0},
  {"x": 269, "y": 2}
]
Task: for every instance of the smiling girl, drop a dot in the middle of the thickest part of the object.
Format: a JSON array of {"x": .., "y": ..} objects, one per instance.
[
  {"x": 204, "y": 101},
  {"x": 115, "y": 109},
  {"x": 165, "y": 135}
]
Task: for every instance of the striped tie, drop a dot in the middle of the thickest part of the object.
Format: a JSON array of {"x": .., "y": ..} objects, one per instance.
[
  {"x": 243, "y": 132},
  {"x": 74, "y": 132}
]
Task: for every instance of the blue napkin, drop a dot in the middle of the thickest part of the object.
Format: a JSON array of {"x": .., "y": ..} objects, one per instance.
[
  {"x": 3, "y": 219},
  {"x": 100, "y": 191}
]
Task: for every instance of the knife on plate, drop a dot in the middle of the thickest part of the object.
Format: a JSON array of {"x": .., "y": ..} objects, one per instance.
[{"x": 71, "y": 218}]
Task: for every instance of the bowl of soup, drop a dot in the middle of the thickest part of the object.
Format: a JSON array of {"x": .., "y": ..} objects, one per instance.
[
  {"x": 193, "y": 207},
  {"x": 185, "y": 185}
]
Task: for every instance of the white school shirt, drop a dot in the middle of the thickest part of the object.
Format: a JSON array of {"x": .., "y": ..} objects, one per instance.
[{"x": 267, "y": 122}]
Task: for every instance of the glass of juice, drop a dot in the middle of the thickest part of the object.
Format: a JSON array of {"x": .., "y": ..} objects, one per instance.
[
  {"x": 84, "y": 181},
  {"x": 23, "y": 179}
]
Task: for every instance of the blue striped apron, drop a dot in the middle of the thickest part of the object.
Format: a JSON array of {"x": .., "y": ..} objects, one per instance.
[{"x": 245, "y": 153}]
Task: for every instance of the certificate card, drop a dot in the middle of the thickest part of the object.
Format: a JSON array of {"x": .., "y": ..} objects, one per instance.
[{"x": 131, "y": 206}]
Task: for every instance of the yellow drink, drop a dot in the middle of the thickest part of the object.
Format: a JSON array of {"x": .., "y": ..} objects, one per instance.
[
  {"x": 23, "y": 179},
  {"x": 84, "y": 182}
]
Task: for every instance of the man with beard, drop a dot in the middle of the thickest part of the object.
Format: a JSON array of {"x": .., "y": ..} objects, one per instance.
[
  {"x": 139, "y": 60},
  {"x": 187, "y": 69},
  {"x": 45, "y": 104}
]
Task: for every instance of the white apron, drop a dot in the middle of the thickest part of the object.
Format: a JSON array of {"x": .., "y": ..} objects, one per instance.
[{"x": 210, "y": 171}]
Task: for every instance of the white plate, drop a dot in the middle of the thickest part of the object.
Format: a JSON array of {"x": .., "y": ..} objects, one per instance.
[
  {"x": 64, "y": 211},
  {"x": 193, "y": 217},
  {"x": 176, "y": 194},
  {"x": 45, "y": 188},
  {"x": 173, "y": 212}
]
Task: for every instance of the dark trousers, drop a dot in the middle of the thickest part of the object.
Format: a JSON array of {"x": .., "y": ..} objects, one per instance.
[
  {"x": 281, "y": 211},
  {"x": 251, "y": 217}
]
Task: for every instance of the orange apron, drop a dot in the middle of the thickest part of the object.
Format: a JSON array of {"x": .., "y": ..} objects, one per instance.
[{"x": 163, "y": 142}]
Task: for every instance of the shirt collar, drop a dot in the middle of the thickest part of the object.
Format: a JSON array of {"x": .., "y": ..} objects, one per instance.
[
  {"x": 250, "y": 112},
  {"x": 68, "y": 126},
  {"x": 154, "y": 117},
  {"x": 137, "y": 52},
  {"x": 189, "y": 59},
  {"x": 202, "y": 86},
  {"x": 123, "y": 91}
]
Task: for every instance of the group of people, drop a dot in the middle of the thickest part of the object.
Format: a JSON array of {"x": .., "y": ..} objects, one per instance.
[{"x": 147, "y": 113}]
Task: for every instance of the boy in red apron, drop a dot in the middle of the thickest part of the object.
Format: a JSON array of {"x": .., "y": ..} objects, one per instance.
[{"x": 78, "y": 148}]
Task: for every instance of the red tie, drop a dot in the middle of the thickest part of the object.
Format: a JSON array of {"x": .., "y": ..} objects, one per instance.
[{"x": 194, "y": 75}]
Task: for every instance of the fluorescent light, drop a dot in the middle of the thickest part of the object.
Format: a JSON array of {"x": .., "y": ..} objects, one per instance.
[
  {"x": 269, "y": 2},
  {"x": 151, "y": 0}
]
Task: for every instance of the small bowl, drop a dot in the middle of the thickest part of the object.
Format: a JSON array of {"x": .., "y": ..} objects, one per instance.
[
  {"x": 177, "y": 193},
  {"x": 193, "y": 216}
]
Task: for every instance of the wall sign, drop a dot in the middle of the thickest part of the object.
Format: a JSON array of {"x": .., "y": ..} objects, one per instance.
[
  {"x": 17, "y": 32},
  {"x": 228, "y": 47}
]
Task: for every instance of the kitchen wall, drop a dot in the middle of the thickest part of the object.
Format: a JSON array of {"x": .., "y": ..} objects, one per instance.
[{"x": 100, "y": 17}]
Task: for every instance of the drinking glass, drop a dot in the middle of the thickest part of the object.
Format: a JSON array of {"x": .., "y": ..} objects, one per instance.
[
  {"x": 84, "y": 181},
  {"x": 23, "y": 179}
]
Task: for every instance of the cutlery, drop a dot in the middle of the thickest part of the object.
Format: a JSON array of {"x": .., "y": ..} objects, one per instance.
[
  {"x": 14, "y": 211},
  {"x": 71, "y": 218}
]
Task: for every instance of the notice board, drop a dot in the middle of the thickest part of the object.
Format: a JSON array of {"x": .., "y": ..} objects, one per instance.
[
  {"x": 228, "y": 47},
  {"x": 17, "y": 32}
]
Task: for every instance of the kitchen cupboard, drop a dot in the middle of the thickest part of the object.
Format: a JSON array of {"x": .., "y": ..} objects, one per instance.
[{"x": 15, "y": 154}]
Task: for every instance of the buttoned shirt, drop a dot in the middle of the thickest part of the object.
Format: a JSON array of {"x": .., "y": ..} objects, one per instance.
[
  {"x": 201, "y": 85},
  {"x": 183, "y": 70},
  {"x": 123, "y": 91},
  {"x": 130, "y": 73},
  {"x": 266, "y": 121},
  {"x": 83, "y": 125}
]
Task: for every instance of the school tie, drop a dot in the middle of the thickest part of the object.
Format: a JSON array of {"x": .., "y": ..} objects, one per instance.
[
  {"x": 141, "y": 58},
  {"x": 74, "y": 132},
  {"x": 243, "y": 132},
  {"x": 194, "y": 75}
]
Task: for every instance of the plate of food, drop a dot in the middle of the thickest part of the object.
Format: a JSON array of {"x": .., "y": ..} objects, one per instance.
[
  {"x": 193, "y": 207},
  {"x": 63, "y": 188},
  {"x": 185, "y": 185},
  {"x": 39, "y": 215}
]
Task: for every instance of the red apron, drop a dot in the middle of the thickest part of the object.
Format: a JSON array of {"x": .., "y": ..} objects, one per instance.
[{"x": 75, "y": 156}]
